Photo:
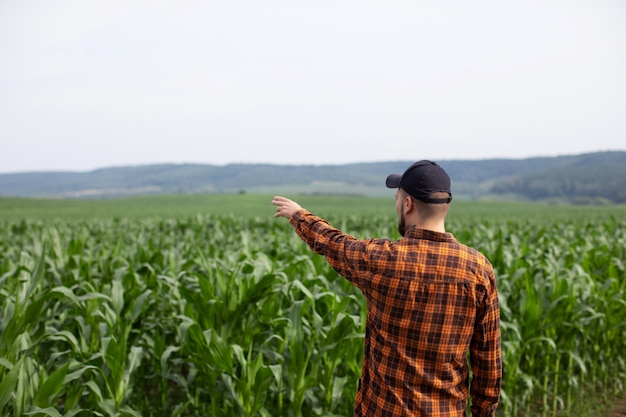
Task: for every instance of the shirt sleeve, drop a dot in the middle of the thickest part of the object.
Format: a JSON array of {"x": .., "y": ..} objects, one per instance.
[
  {"x": 486, "y": 355},
  {"x": 345, "y": 254}
]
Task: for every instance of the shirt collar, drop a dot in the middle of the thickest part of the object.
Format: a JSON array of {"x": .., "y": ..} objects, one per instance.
[{"x": 415, "y": 233}]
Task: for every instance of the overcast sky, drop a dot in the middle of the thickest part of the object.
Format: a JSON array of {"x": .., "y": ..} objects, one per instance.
[{"x": 91, "y": 84}]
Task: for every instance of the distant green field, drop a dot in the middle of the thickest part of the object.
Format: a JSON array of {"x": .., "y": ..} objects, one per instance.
[{"x": 250, "y": 206}]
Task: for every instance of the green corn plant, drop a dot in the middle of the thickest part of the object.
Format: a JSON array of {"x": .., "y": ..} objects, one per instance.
[
  {"x": 249, "y": 388},
  {"x": 218, "y": 315}
]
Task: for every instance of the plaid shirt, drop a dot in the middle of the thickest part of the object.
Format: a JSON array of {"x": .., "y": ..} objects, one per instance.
[{"x": 430, "y": 300}]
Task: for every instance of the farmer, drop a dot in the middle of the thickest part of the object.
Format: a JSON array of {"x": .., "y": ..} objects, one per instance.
[{"x": 430, "y": 300}]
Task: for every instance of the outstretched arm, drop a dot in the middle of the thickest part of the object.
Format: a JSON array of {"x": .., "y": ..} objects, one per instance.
[
  {"x": 344, "y": 253},
  {"x": 285, "y": 207}
]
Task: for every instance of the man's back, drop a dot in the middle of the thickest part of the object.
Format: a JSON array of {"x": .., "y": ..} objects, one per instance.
[{"x": 424, "y": 295}]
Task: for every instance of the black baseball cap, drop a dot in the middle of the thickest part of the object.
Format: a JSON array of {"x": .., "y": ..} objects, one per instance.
[{"x": 421, "y": 180}]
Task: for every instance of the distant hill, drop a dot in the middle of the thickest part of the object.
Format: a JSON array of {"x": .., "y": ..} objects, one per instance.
[{"x": 586, "y": 178}]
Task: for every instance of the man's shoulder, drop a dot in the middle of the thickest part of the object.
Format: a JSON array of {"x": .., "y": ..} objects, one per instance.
[{"x": 481, "y": 263}]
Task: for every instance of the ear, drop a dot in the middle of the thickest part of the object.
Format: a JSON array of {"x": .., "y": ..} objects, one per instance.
[{"x": 407, "y": 204}]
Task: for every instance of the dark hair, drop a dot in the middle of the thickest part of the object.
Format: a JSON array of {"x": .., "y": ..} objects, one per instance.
[{"x": 428, "y": 209}]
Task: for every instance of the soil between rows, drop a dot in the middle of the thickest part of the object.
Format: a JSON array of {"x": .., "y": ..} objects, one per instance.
[{"x": 619, "y": 409}]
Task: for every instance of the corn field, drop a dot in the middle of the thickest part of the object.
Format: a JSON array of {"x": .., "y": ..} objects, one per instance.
[{"x": 222, "y": 316}]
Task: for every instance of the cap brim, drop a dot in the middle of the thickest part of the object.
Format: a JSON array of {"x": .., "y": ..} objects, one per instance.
[{"x": 393, "y": 181}]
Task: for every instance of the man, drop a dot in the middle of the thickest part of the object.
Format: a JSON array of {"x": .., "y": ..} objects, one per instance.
[{"x": 430, "y": 300}]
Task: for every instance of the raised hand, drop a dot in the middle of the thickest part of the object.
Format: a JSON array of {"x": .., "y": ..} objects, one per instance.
[{"x": 285, "y": 207}]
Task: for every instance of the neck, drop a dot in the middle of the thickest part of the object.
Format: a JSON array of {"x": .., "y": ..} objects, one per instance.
[{"x": 428, "y": 224}]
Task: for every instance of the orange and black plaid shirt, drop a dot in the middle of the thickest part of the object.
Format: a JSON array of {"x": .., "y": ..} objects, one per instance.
[{"x": 430, "y": 300}]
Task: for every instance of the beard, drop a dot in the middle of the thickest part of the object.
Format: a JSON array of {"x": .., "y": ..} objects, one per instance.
[{"x": 402, "y": 225}]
